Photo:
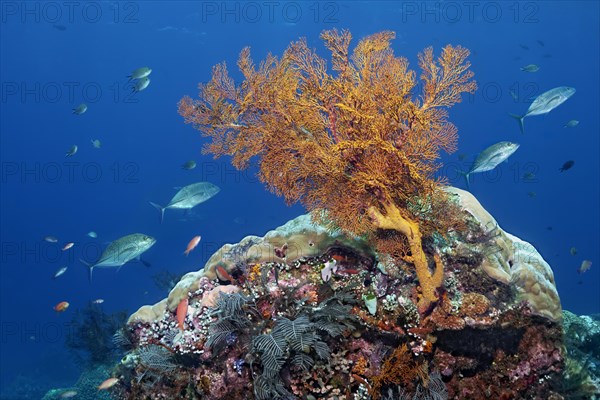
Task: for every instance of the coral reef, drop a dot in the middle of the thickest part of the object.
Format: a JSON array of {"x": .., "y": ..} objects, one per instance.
[
  {"x": 263, "y": 329},
  {"x": 509, "y": 260},
  {"x": 357, "y": 130},
  {"x": 395, "y": 286},
  {"x": 581, "y": 376}
]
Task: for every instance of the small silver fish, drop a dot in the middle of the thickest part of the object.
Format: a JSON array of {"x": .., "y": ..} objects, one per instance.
[
  {"x": 59, "y": 272},
  {"x": 571, "y": 124},
  {"x": 68, "y": 394},
  {"x": 96, "y": 143},
  {"x": 189, "y": 196},
  {"x": 530, "y": 68},
  {"x": 92, "y": 234},
  {"x": 489, "y": 158},
  {"x": 141, "y": 85},
  {"x": 80, "y": 109},
  {"x": 71, "y": 151},
  {"x": 545, "y": 103},
  {"x": 191, "y": 164},
  {"x": 140, "y": 73},
  {"x": 98, "y": 301},
  {"x": 50, "y": 239},
  {"x": 585, "y": 265}
]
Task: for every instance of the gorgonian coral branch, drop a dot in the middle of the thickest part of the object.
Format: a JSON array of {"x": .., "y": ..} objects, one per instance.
[{"x": 344, "y": 143}]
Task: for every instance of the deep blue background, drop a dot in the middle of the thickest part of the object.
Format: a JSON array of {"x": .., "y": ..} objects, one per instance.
[{"x": 144, "y": 141}]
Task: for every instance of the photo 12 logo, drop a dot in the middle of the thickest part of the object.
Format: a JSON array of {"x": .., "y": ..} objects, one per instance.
[
  {"x": 252, "y": 12},
  {"x": 492, "y": 12},
  {"x": 69, "y": 12},
  {"x": 68, "y": 172},
  {"x": 71, "y": 93}
]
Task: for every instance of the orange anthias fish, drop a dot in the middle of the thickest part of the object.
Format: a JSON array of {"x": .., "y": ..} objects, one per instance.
[
  {"x": 182, "y": 312},
  {"x": 192, "y": 244},
  {"x": 62, "y": 306},
  {"x": 585, "y": 265},
  {"x": 68, "y": 246},
  {"x": 222, "y": 274},
  {"x": 107, "y": 384}
]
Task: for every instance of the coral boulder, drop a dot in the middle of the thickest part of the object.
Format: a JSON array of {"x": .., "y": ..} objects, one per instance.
[{"x": 306, "y": 312}]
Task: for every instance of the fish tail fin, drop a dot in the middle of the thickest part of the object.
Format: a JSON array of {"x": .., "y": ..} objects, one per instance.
[
  {"x": 161, "y": 209},
  {"x": 520, "y": 118},
  {"x": 90, "y": 268},
  {"x": 466, "y": 176}
]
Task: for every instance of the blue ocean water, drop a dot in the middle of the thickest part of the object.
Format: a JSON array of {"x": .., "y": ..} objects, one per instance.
[{"x": 56, "y": 55}]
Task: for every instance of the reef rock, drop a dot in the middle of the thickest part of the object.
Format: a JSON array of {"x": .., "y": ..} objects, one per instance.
[
  {"x": 510, "y": 260},
  {"x": 306, "y": 313}
]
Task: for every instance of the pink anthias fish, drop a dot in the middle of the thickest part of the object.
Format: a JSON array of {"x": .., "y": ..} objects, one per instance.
[
  {"x": 585, "y": 265},
  {"x": 182, "y": 309},
  {"x": 107, "y": 384},
  {"x": 68, "y": 246},
  {"x": 192, "y": 244}
]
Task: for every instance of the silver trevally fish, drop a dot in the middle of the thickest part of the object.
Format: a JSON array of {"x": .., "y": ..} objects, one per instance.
[
  {"x": 489, "y": 159},
  {"x": 140, "y": 73},
  {"x": 545, "y": 103},
  {"x": 121, "y": 251},
  {"x": 189, "y": 196}
]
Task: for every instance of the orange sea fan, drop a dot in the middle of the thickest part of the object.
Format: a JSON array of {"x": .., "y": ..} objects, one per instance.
[{"x": 353, "y": 145}]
